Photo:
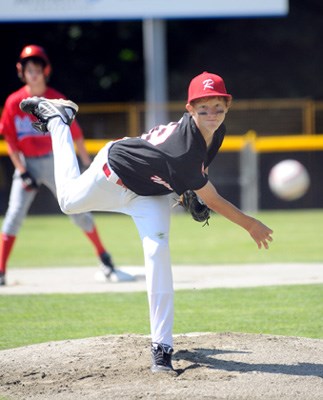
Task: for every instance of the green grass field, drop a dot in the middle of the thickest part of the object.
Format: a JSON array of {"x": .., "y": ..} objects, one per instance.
[{"x": 54, "y": 241}]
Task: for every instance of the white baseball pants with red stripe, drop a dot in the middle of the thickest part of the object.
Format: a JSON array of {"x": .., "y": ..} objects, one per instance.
[{"x": 93, "y": 191}]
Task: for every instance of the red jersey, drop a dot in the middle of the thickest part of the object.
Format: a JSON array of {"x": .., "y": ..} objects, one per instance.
[{"x": 16, "y": 126}]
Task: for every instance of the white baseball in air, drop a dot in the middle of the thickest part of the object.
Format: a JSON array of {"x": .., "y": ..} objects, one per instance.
[{"x": 289, "y": 180}]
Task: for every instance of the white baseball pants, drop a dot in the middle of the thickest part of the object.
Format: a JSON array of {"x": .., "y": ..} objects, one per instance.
[
  {"x": 20, "y": 200},
  {"x": 93, "y": 191}
]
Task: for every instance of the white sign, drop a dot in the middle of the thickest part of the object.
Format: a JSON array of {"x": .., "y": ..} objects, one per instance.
[{"x": 86, "y": 10}]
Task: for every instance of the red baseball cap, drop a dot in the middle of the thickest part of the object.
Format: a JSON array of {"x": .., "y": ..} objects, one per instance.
[{"x": 206, "y": 85}]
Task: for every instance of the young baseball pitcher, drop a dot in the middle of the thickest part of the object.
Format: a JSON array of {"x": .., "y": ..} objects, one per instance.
[
  {"x": 135, "y": 176},
  {"x": 32, "y": 156}
]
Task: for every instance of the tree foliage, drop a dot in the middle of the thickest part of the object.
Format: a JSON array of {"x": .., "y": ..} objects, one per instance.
[{"x": 102, "y": 61}]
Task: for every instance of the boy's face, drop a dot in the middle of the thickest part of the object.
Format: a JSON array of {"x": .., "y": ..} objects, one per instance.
[
  {"x": 33, "y": 73},
  {"x": 208, "y": 113}
]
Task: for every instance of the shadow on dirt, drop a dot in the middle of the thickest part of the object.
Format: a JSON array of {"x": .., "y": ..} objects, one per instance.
[{"x": 206, "y": 358}]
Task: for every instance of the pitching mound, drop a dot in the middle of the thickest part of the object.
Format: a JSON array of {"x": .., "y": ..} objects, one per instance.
[{"x": 209, "y": 366}]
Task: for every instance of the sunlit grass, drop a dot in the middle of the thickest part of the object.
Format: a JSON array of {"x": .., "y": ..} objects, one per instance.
[
  {"x": 282, "y": 310},
  {"x": 55, "y": 241}
]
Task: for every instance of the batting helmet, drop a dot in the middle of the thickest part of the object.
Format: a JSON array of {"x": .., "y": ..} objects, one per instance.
[{"x": 33, "y": 51}]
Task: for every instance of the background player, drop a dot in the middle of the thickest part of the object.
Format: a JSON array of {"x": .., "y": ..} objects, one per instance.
[
  {"x": 31, "y": 155},
  {"x": 135, "y": 176}
]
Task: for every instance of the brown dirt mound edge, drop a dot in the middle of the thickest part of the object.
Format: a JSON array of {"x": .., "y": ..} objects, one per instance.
[{"x": 208, "y": 365}]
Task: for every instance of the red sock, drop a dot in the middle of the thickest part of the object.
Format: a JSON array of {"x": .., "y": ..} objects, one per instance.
[
  {"x": 94, "y": 237},
  {"x": 7, "y": 242}
]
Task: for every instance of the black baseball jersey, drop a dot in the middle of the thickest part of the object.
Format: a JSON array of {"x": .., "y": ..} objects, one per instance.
[{"x": 168, "y": 158}]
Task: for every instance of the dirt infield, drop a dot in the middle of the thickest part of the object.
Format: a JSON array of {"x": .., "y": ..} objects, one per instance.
[
  {"x": 83, "y": 280},
  {"x": 209, "y": 366},
  {"x": 231, "y": 366}
]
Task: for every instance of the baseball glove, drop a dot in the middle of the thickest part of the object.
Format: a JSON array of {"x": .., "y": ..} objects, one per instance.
[
  {"x": 28, "y": 181},
  {"x": 191, "y": 202}
]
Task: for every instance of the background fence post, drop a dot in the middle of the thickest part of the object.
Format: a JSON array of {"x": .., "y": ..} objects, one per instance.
[{"x": 249, "y": 177}]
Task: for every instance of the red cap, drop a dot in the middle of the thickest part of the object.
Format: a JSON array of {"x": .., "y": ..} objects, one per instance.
[
  {"x": 33, "y": 51},
  {"x": 206, "y": 85}
]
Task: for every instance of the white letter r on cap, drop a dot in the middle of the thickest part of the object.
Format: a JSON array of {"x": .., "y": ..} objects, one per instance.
[{"x": 208, "y": 84}]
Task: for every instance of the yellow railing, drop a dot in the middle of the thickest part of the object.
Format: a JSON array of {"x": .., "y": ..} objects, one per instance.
[
  {"x": 273, "y": 143},
  {"x": 3, "y": 148},
  {"x": 267, "y": 117},
  {"x": 289, "y": 143},
  {"x": 236, "y": 143},
  {"x": 281, "y": 125}
]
